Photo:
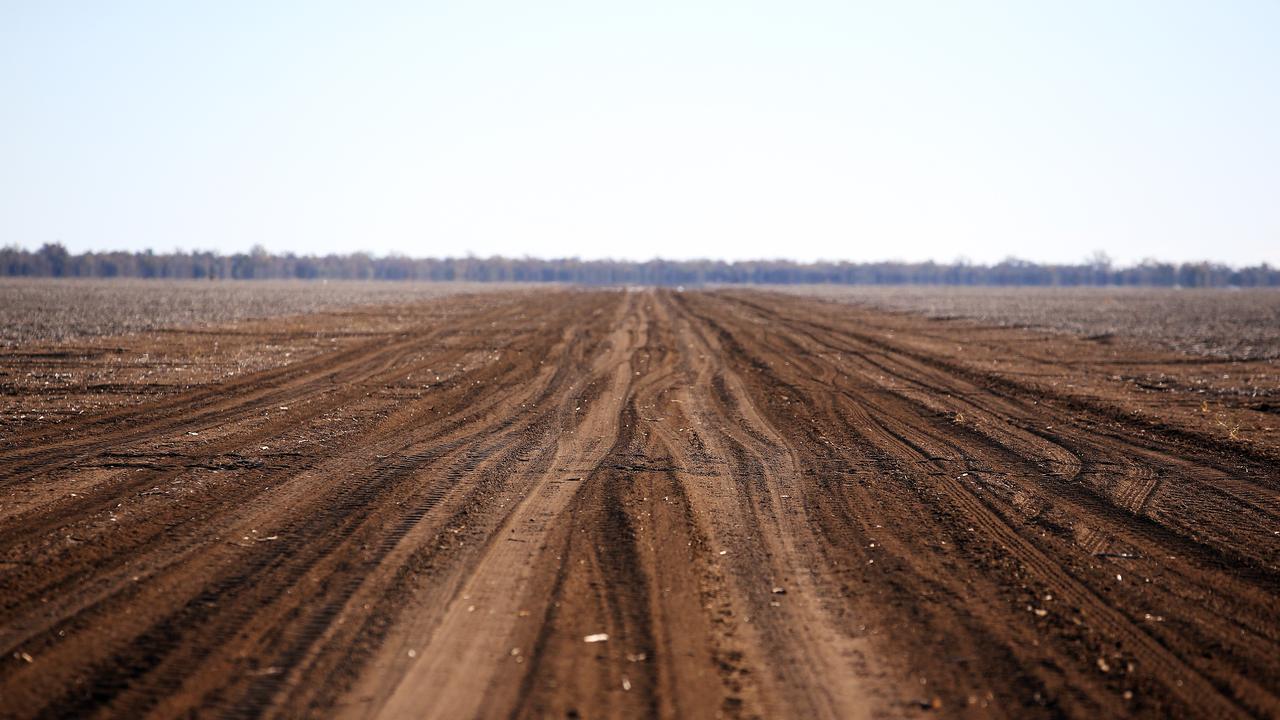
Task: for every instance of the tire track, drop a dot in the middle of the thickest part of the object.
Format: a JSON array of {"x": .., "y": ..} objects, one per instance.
[
  {"x": 264, "y": 556},
  {"x": 458, "y": 670},
  {"x": 891, "y": 430},
  {"x": 771, "y": 507}
]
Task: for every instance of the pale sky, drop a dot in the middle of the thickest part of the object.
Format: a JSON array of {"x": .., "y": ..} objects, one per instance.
[{"x": 808, "y": 130}]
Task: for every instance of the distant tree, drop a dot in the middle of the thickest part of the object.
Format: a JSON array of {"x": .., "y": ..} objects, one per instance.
[
  {"x": 53, "y": 260},
  {"x": 54, "y": 256}
]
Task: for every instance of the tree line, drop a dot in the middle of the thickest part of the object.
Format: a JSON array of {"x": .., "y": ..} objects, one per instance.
[{"x": 53, "y": 260}]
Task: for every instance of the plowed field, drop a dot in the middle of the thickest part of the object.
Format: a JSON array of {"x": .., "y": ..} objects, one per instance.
[{"x": 572, "y": 503}]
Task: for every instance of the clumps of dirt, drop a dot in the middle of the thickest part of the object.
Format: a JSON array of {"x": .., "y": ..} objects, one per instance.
[
  {"x": 1238, "y": 324},
  {"x": 134, "y": 341},
  {"x": 61, "y": 310}
]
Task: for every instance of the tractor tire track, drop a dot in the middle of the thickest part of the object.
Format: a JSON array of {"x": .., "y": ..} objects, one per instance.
[{"x": 637, "y": 504}]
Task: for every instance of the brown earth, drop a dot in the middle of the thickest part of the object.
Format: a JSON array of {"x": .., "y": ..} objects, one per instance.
[
  {"x": 1230, "y": 323},
  {"x": 34, "y": 310},
  {"x": 772, "y": 506}
]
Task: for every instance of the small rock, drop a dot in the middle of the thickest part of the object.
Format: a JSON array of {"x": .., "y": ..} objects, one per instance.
[{"x": 597, "y": 637}]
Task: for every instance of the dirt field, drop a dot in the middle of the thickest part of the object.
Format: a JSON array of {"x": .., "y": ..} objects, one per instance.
[
  {"x": 565, "y": 503},
  {"x": 40, "y": 309},
  {"x": 1229, "y": 323}
]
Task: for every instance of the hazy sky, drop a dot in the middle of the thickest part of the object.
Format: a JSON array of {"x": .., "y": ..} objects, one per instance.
[{"x": 841, "y": 130}]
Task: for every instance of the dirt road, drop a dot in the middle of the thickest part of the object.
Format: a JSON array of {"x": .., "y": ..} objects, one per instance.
[{"x": 634, "y": 504}]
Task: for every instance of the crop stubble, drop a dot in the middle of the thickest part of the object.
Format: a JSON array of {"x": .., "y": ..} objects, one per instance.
[
  {"x": 771, "y": 506},
  {"x": 1231, "y": 323}
]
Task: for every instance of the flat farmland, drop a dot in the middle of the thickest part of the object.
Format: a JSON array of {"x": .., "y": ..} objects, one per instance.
[
  {"x": 562, "y": 502},
  {"x": 36, "y": 310},
  {"x": 1236, "y": 323}
]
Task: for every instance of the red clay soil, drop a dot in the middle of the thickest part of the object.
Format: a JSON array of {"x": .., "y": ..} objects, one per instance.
[{"x": 636, "y": 504}]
